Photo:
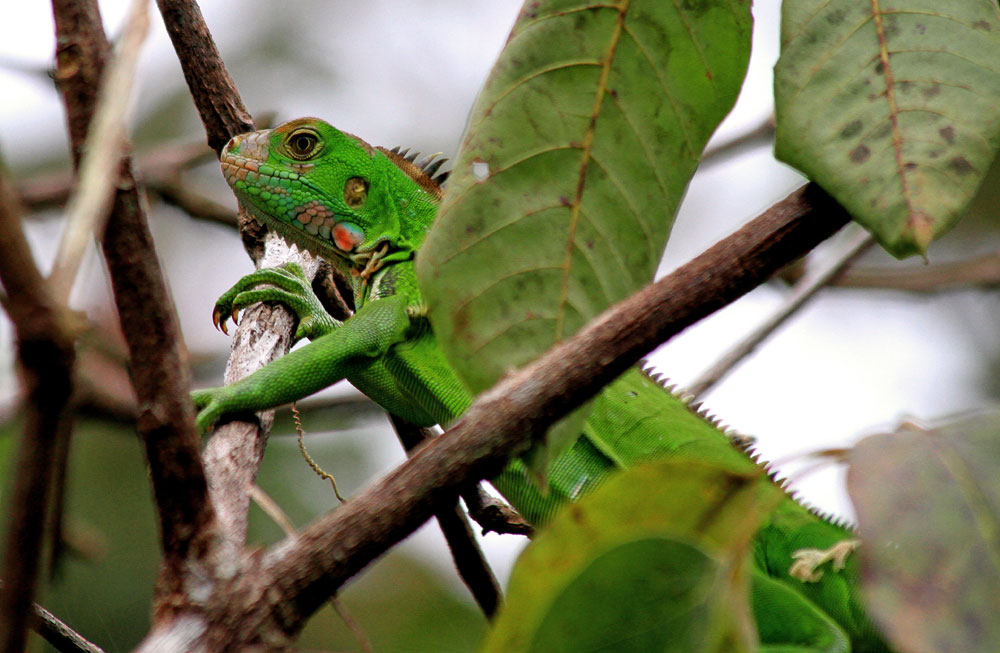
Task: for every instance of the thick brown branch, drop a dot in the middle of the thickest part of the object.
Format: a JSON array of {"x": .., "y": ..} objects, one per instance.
[
  {"x": 233, "y": 454},
  {"x": 149, "y": 323},
  {"x": 212, "y": 88},
  {"x": 45, "y": 356},
  {"x": 300, "y": 574}
]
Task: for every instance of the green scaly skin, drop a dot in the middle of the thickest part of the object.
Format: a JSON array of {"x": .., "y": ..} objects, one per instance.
[{"x": 366, "y": 210}]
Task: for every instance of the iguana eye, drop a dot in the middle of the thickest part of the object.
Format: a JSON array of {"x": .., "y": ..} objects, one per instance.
[
  {"x": 355, "y": 192},
  {"x": 302, "y": 144}
]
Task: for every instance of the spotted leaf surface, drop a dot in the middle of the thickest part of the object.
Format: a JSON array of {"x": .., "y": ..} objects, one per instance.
[
  {"x": 577, "y": 154},
  {"x": 892, "y": 106},
  {"x": 928, "y": 505}
]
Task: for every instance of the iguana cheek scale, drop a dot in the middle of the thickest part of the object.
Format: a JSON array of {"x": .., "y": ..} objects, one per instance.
[{"x": 366, "y": 210}]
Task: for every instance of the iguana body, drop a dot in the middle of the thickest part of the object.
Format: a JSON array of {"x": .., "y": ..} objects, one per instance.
[{"x": 366, "y": 210}]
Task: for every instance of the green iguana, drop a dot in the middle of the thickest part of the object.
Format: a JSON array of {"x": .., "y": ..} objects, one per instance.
[{"x": 366, "y": 211}]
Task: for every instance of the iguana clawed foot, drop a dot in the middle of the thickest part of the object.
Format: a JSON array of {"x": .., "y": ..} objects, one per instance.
[
  {"x": 286, "y": 284},
  {"x": 209, "y": 406},
  {"x": 807, "y": 560}
]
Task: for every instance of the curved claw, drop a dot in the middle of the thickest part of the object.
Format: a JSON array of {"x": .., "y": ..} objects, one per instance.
[
  {"x": 236, "y": 316},
  {"x": 218, "y": 322}
]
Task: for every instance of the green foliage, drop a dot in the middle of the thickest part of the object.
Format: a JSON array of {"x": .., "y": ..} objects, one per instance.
[
  {"x": 564, "y": 191},
  {"x": 577, "y": 155},
  {"x": 893, "y": 108},
  {"x": 654, "y": 560},
  {"x": 928, "y": 506}
]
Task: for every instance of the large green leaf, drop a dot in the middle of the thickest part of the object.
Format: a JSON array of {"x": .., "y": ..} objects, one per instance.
[
  {"x": 892, "y": 106},
  {"x": 576, "y": 157},
  {"x": 654, "y": 560},
  {"x": 928, "y": 506}
]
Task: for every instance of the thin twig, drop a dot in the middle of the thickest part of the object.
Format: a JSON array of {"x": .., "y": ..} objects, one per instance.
[
  {"x": 762, "y": 134},
  {"x": 981, "y": 272},
  {"x": 352, "y": 625},
  {"x": 271, "y": 509},
  {"x": 89, "y": 205},
  {"x": 158, "y": 167},
  {"x": 63, "y": 638},
  {"x": 804, "y": 290},
  {"x": 176, "y": 193},
  {"x": 470, "y": 562}
]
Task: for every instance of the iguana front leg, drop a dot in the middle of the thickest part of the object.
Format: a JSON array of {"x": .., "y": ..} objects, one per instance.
[
  {"x": 291, "y": 287},
  {"x": 347, "y": 350}
]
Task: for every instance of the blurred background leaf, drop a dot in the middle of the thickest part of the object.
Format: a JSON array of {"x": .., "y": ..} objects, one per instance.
[{"x": 928, "y": 505}]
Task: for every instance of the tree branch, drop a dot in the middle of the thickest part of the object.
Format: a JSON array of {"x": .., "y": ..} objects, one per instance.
[
  {"x": 46, "y": 356},
  {"x": 979, "y": 272},
  {"x": 213, "y": 90},
  {"x": 804, "y": 290},
  {"x": 161, "y": 174},
  {"x": 63, "y": 638},
  {"x": 149, "y": 324}
]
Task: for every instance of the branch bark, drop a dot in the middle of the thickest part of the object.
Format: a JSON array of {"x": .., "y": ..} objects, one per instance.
[
  {"x": 150, "y": 327},
  {"x": 46, "y": 356},
  {"x": 805, "y": 289},
  {"x": 213, "y": 90}
]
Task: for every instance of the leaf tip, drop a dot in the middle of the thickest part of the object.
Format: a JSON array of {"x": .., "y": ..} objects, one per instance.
[{"x": 919, "y": 232}]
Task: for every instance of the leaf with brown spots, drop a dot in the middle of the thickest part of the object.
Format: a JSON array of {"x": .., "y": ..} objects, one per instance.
[
  {"x": 654, "y": 560},
  {"x": 893, "y": 107},
  {"x": 928, "y": 505},
  {"x": 577, "y": 154}
]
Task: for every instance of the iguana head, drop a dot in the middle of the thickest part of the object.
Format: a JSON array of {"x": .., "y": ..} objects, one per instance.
[{"x": 328, "y": 191}]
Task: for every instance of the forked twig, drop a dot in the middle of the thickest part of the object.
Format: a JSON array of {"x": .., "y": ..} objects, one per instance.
[{"x": 803, "y": 291}]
